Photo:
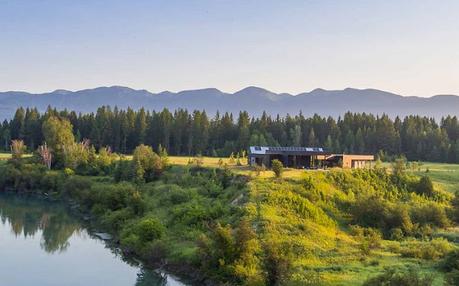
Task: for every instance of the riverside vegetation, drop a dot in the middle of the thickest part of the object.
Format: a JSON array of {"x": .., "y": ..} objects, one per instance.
[{"x": 234, "y": 226}]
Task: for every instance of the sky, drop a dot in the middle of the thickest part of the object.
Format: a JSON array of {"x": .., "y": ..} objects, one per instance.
[{"x": 406, "y": 47}]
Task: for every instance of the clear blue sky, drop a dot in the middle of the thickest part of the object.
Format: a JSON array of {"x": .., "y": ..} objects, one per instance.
[{"x": 408, "y": 47}]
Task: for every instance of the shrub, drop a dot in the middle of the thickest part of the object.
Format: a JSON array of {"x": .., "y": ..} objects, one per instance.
[
  {"x": 425, "y": 187},
  {"x": 455, "y": 207},
  {"x": 124, "y": 171},
  {"x": 451, "y": 261},
  {"x": 429, "y": 250},
  {"x": 149, "y": 161},
  {"x": 116, "y": 220},
  {"x": 432, "y": 214},
  {"x": 139, "y": 235},
  {"x": 452, "y": 278},
  {"x": 395, "y": 277},
  {"x": 370, "y": 211},
  {"x": 178, "y": 195},
  {"x": 368, "y": 238},
  {"x": 68, "y": 172},
  {"x": 277, "y": 168},
  {"x": 115, "y": 197},
  {"x": 77, "y": 187}
]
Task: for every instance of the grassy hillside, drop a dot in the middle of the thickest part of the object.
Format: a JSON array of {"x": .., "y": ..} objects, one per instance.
[{"x": 230, "y": 223}]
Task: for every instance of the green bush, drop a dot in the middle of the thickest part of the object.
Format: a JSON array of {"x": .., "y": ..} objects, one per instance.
[
  {"x": 370, "y": 211},
  {"x": 452, "y": 278},
  {"x": 124, "y": 171},
  {"x": 116, "y": 196},
  {"x": 149, "y": 161},
  {"x": 277, "y": 168},
  {"x": 78, "y": 188},
  {"x": 139, "y": 235},
  {"x": 397, "y": 277},
  {"x": 425, "y": 187},
  {"x": 431, "y": 214},
  {"x": 451, "y": 261},
  {"x": 368, "y": 238},
  {"x": 429, "y": 250}
]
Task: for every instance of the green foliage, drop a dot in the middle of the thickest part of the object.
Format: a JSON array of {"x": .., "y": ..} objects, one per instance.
[
  {"x": 232, "y": 252},
  {"x": 451, "y": 261},
  {"x": 429, "y": 250},
  {"x": 425, "y": 187},
  {"x": 114, "y": 197},
  {"x": 397, "y": 277},
  {"x": 58, "y": 134},
  {"x": 452, "y": 278},
  {"x": 124, "y": 171},
  {"x": 137, "y": 236},
  {"x": 431, "y": 214},
  {"x": 299, "y": 205},
  {"x": 277, "y": 168},
  {"x": 455, "y": 207},
  {"x": 368, "y": 238},
  {"x": 148, "y": 161}
]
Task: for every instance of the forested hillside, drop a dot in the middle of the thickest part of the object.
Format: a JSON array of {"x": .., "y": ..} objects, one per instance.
[{"x": 189, "y": 133}]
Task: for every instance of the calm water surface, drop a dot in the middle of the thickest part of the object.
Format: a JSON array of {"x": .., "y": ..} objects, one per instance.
[{"x": 41, "y": 244}]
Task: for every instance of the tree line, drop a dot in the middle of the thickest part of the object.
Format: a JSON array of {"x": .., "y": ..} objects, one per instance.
[{"x": 195, "y": 133}]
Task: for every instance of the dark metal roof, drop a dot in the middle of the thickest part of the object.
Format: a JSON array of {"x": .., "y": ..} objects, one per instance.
[
  {"x": 295, "y": 149},
  {"x": 287, "y": 150}
]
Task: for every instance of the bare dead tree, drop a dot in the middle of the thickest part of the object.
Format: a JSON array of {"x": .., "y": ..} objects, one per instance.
[{"x": 46, "y": 155}]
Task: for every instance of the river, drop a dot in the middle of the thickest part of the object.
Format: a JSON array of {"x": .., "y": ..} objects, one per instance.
[{"x": 42, "y": 244}]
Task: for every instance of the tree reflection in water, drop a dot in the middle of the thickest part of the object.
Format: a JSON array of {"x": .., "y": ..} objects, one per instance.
[
  {"x": 148, "y": 277},
  {"x": 29, "y": 217}
]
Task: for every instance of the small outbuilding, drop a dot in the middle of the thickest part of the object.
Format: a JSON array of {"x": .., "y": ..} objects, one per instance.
[{"x": 349, "y": 161}]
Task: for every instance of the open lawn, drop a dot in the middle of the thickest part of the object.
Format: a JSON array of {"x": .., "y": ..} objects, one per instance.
[
  {"x": 243, "y": 169},
  {"x": 5, "y": 156},
  {"x": 446, "y": 175},
  {"x": 443, "y": 174}
]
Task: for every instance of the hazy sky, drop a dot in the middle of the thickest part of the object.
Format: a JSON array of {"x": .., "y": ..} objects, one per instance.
[{"x": 407, "y": 47}]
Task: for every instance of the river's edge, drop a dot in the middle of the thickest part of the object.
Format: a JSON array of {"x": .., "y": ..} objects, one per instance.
[{"x": 185, "y": 274}]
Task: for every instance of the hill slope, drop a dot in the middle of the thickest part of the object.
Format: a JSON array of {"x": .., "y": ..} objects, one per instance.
[{"x": 254, "y": 99}]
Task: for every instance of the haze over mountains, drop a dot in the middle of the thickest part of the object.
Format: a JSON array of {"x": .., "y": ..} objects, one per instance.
[{"x": 253, "y": 99}]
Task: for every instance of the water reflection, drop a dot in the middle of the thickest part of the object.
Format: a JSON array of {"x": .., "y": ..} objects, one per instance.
[
  {"x": 27, "y": 217},
  {"x": 30, "y": 226}
]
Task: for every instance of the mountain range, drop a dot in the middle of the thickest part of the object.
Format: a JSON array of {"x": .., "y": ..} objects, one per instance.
[{"x": 255, "y": 100}]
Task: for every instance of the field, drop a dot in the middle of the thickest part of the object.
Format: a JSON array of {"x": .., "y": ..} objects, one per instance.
[
  {"x": 5, "y": 156},
  {"x": 446, "y": 175}
]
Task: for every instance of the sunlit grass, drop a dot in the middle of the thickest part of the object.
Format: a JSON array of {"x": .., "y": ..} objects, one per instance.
[
  {"x": 444, "y": 174},
  {"x": 5, "y": 156}
]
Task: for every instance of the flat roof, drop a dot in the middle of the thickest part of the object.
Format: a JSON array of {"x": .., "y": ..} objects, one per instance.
[
  {"x": 357, "y": 157},
  {"x": 262, "y": 150}
]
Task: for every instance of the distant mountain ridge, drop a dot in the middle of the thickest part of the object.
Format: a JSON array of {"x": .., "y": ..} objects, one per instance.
[{"x": 253, "y": 99}]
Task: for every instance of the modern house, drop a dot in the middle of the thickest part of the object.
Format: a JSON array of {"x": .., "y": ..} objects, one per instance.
[{"x": 305, "y": 157}]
